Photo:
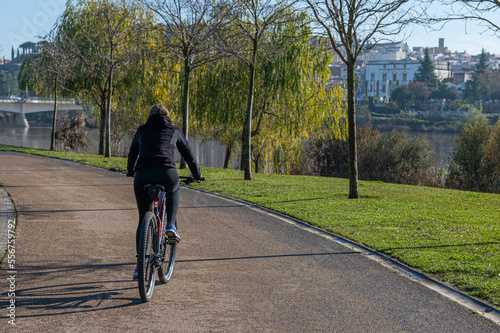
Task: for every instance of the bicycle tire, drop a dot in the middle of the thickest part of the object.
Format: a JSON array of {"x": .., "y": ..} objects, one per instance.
[
  {"x": 146, "y": 257},
  {"x": 166, "y": 269}
]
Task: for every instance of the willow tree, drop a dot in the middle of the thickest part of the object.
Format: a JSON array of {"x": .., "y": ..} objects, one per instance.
[
  {"x": 150, "y": 80},
  {"x": 249, "y": 21},
  {"x": 349, "y": 25},
  {"x": 291, "y": 98},
  {"x": 187, "y": 29},
  {"x": 217, "y": 101},
  {"x": 101, "y": 33}
]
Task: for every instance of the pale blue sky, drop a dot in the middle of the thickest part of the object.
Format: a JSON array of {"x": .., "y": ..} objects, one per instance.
[{"x": 23, "y": 20}]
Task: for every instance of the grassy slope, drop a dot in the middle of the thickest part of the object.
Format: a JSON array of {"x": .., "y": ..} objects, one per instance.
[{"x": 451, "y": 235}]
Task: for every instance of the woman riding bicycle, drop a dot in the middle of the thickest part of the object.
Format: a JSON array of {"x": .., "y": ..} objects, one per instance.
[{"x": 151, "y": 161}]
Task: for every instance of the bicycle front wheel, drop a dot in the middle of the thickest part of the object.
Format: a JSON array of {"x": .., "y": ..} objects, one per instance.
[{"x": 147, "y": 257}]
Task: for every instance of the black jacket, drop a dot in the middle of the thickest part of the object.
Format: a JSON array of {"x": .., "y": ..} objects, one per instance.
[{"x": 154, "y": 144}]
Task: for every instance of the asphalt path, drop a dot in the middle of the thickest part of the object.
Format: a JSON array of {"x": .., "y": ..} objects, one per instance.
[{"x": 237, "y": 270}]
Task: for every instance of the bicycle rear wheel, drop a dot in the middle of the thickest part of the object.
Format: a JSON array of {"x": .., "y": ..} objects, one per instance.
[
  {"x": 147, "y": 257},
  {"x": 166, "y": 269}
]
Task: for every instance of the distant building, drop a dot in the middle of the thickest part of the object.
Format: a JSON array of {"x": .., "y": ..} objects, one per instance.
[
  {"x": 433, "y": 50},
  {"x": 382, "y": 77},
  {"x": 335, "y": 70},
  {"x": 462, "y": 76},
  {"x": 442, "y": 70},
  {"x": 386, "y": 51},
  {"x": 381, "y": 68}
]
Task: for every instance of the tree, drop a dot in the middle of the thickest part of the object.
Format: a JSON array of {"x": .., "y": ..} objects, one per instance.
[
  {"x": 292, "y": 100},
  {"x": 3, "y": 84},
  {"x": 426, "y": 71},
  {"x": 7, "y": 84},
  {"x": 443, "y": 92},
  {"x": 249, "y": 21},
  {"x": 187, "y": 34},
  {"x": 290, "y": 105},
  {"x": 349, "y": 25},
  {"x": 101, "y": 34},
  {"x": 403, "y": 97},
  {"x": 420, "y": 90},
  {"x": 217, "y": 103},
  {"x": 479, "y": 88},
  {"x": 149, "y": 80},
  {"x": 47, "y": 73}
]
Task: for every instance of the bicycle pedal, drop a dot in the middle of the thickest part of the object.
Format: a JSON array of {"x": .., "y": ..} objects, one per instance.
[{"x": 173, "y": 240}]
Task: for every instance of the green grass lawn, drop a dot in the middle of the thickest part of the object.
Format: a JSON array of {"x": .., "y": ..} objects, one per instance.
[{"x": 453, "y": 236}]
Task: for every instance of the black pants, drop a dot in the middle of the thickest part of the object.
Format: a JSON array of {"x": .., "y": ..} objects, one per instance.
[{"x": 169, "y": 178}]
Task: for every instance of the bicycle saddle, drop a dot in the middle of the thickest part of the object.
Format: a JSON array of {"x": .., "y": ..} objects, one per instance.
[{"x": 154, "y": 191}]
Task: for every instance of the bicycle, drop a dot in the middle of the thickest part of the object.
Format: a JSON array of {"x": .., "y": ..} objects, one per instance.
[{"x": 154, "y": 245}]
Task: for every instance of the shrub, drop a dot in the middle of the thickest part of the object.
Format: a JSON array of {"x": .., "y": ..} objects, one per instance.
[
  {"x": 396, "y": 157},
  {"x": 468, "y": 169},
  {"x": 492, "y": 159},
  {"x": 476, "y": 158},
  {"x": 72, "y": 133},
  {"x": 328, "y": 158}
]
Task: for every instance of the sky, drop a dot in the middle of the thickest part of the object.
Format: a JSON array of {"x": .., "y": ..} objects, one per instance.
[{"x": 24, "y": 20}]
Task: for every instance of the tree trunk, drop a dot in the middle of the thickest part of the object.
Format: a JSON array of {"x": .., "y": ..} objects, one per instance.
[
  {"x": 228, "y": 156},
  {"x": 256, "y": 163},
  {"x": 108, "y": 115},
  {"x": 246, "y": 145},
  {"x": 102, "y": 126},
  {"x": 351, "y": 124},
  {"x": 54, "y": 118},
  {"x": 185, "y": 106}
]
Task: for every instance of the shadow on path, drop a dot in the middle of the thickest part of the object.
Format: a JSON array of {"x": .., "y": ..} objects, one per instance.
[
  {"x": 267, "y": 257},
  {"x": 78, "y": 297}
]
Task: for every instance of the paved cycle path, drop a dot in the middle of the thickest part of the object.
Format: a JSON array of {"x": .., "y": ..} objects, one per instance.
[{"x": 237, "y": 270}]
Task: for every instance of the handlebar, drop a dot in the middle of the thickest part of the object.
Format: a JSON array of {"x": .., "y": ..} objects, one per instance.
[{"x": 189, "y": 180}]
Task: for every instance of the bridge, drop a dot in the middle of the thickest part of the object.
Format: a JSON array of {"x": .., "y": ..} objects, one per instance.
[{"x": 13, "y": 111}]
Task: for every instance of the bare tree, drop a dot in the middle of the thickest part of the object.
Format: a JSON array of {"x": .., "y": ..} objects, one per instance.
[
  {"x": 187, "y": 28},
  {"x": 349, "y": 26},
  {"x": 47, "y": 73},
  {"x": 57, "y": 63}
]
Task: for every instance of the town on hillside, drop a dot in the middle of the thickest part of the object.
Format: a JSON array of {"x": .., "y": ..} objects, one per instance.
[{"x": 385, "y": 67}]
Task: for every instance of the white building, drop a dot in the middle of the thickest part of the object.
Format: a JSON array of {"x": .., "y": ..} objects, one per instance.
[{"x": 382, "y": 77}]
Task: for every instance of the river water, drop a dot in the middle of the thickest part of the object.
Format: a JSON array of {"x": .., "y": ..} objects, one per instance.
[{"x": 209, "y": 153}]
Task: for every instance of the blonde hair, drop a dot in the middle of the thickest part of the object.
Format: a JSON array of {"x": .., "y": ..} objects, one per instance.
[{"x": 159, "y": 109}]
